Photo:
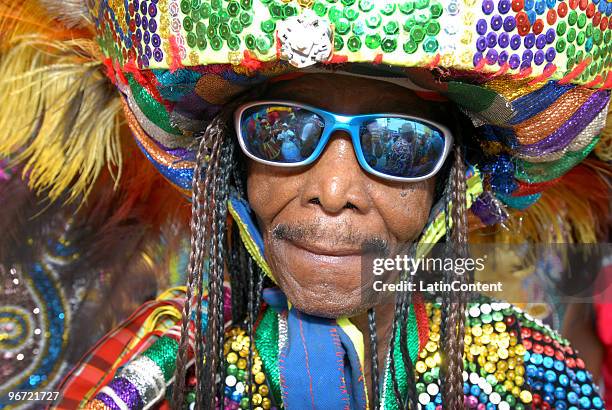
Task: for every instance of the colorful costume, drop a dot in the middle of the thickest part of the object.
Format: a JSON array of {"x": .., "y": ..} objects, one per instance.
[{"x": 532, "y": 75}]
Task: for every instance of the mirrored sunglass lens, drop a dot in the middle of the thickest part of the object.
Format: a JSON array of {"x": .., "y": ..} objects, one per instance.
[
  {"x": 401, "y": 147},
  {"x": 280, "y": 133}
]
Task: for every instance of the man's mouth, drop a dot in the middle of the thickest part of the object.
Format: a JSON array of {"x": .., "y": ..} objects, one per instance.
[{"x": 326, "y": 249}]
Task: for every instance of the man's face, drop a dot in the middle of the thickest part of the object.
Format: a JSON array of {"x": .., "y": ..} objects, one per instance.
[{"x": 317, "y": 220}]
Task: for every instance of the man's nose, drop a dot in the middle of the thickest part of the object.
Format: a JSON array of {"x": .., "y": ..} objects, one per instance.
[{"x": 336, "y": 181}]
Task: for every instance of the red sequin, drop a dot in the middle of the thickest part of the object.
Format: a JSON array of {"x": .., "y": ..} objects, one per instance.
[
  {"x": 562, "y": 10},
  {"x": 527, "y": 344},
  {"x": 559, "y": 355},
  {"x": 549, "y": 351},
  {"x": 570, "y": 362},
  {"x": 525, "y": 332},
  {"x": 580, "y": 363},
  {"x": 596, "y": 19},
  {"x": 590, "y": 10},
  {"x": 538, "y": 26},
  {"x": 604, "y": 23},
  {"x": 573, "y": 4},
  {"x": 536, "y": 400},
  {"x": 583, "y": 4},
  {"x": 517, "y": 5},
  {"x": 537, "y": 336},
  {"x": 547, "y": 339},
  {"x": 551, "y": 17},
  {"x": 538, "y": 348}
]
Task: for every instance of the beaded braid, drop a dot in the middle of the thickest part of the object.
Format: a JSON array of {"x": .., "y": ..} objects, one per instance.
[
  {"x": 454, "y": 303},
  {"x": 374, "y": 353},
  {"x": 198, "y": 230}
]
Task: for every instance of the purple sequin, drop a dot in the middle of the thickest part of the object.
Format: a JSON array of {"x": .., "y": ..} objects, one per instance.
[
  {"x": 146, "y": 37},
  {"x": 491, "y": 40},
  {"x": 492, "y": 56},
  {"x": 504, "y": 6},
  {"x": 550, "y": 35},
  {"x": 566, "y": 133},
  {"x": 106, "y": 399},
  {"x": 481, "y": 43},
  {"x": 145, "y": 23},
  {"x": 481, "y": 27},
  {"x": 143, "y": 7},
  {"x": 527, "y": 56},
  {"x": 158, "y": 55},
  {"x": 503, "y": 40},
  {"x": 503, "y": 58},
  {"x": 541, "y": 41},
  {"x": 487, "y": 6},
  {"x": 152, "y": 10},
  {"x": 152, "y": 25},
  {"x": 127, "y": 392},
  {"x": 538, "y": 58},
  {"x": 477, "y": 58},
  {"x": 496, "y": 22},
  {"x": 488, "y": 210},
  {"x": 155, "y": 40},
  {"x": 148, "y": 52},
  {"x": 509, "y": 23},
  {"x": 514, "y": 61},
  {"x": 551, "y": 53},
  {"x": 529, "y": 40},
  {"x": 515, "y": 41}
]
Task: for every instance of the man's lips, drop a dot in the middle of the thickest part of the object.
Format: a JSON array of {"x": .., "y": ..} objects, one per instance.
[{"x": 326, "y": 249}]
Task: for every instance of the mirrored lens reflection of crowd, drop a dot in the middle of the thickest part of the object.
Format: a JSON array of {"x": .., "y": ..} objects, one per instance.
[
  {"x": 400, "y": 147},
  {"x": 283, "y": 134}
]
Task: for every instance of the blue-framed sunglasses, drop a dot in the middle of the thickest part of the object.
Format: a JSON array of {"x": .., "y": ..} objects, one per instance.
[{"x": 396, "y": 147}]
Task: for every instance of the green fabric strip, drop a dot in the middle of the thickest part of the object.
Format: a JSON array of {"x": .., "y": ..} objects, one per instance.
[
  {"x": 482, "y": 101},
  {"x": 266, "y": 341},
  {"x": 389, "y": 402},
  {"x": 154, "y": 111},
  {"x": 535, "y": 172},
  {"x": 163, "y": 352}
]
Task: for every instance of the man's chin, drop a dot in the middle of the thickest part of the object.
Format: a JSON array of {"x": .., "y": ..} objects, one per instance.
[{"x": 329, "y": 304}]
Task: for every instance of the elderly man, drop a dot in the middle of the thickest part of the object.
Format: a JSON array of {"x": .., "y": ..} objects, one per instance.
[{"x": 274, "y": 314}]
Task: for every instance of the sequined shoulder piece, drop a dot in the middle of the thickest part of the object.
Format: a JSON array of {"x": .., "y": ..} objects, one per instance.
[{"x": 511, "y": 361}]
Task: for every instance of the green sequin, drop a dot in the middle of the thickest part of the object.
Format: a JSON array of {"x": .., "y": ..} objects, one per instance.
[
  {"x": 372, "y": 41},
  {"x": 581, "y": 38},
  {"x": 320, "y": 9},
  {"x": 348, "y": 2},
  {"x": 233, "y": 8},
  {"x": 410, "y": 47},
  {"x": 430, "y": 45},
  {"x": 268, "y": 26},
  {"x": 582, "y": 20},
  {"x": 214, "y": 20},
  {"x": 216, "y": 43},
  {"x": 246, "y": 18},
  {"x": 421, "y": 4},
  {"x": 185, "y": 6},
  {"x": 338, "y": 43},
  {"x": 389, "y": 45},
  {"x": 200, "y": 29},
  {"x": 188, "y": 23},
  {"x": 354, "y": 43},
  {"x": 249, "y": 41},
  {"x": 351, "y": 14},
  {"x": 216, "y": 4},
  {"x": 388, "y": 9},
  {"x": 224, "y": 31},
  {"x": 192, "y": 40},
  {"x": 366, "y": 5},
  {"x": 202, "y": 43},
  {"x": 334, "y": 14},
  {"x": 343, "y": 26},
  {"x": 246, "y": 4},
  {"x": 205, "y": 11},
  {"x": 235, "y": 26},
  {"x": 358, "y": 28},
  {"x": 407, "y": 7},
  {"x": 417, "y": 33},
  {"x": 233, "y": 42},
  {"x": 571, "y": 35},
  {"x": 432, "y": 28},
  {"x": 391, "y": 27},
  {"x": 263, "y": 43},
  {"x": 436, "y": 10},
  {"x": 572, "y": 17},
  {"x": 560, "y": 47},
  {"x": 561, "y": 28},
  {"x": 373, "y": 21},
  {"x": 211, "y": 32}
]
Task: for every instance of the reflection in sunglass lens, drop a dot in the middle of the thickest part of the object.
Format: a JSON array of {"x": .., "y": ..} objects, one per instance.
[
  {"x": 401, "y": 147},
  {"x": 281, "y": 133}
]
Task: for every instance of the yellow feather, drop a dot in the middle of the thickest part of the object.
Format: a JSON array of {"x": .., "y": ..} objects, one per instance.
[{"x": 60, "y": 116}]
